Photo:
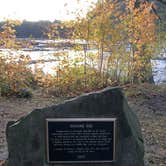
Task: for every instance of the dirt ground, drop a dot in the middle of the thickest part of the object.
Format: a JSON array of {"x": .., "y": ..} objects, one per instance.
[{"x": 148, "y": 101}]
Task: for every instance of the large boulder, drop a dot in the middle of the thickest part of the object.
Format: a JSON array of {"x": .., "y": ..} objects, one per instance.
[{"x": 26, "y": 137}]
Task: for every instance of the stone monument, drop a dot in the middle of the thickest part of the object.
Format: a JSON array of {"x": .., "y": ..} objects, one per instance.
[{"x": 95, "y": 129}]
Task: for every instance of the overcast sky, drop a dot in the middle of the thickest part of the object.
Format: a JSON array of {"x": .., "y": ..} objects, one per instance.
[{"x": 34, "y": 10}]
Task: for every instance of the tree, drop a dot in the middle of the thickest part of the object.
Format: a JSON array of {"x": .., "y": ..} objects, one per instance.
[
  {"x": 7, "y": 34},
  {"x": 113, "y": 26},
  {"x": 140, "y": 24}
]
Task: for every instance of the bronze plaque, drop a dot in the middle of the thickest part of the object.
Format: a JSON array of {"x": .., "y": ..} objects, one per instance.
[{"x": 80, "y": 140}]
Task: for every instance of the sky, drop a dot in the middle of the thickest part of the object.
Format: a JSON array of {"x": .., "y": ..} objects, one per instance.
[{"x": 34, "y": 10}]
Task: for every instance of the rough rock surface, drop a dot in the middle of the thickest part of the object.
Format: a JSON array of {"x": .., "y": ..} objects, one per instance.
[{"x": 26, "y": 137}]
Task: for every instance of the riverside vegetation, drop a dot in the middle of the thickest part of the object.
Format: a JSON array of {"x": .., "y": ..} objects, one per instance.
[{"x": 123, "y": 33}]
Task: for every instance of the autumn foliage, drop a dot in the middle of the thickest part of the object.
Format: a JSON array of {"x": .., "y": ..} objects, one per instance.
[
  {"x": 70, "y": 78},
  {"x": 126, "y": 31},
  {"x": 14, "y": 74},
  {"x": 123, "y": 33}
]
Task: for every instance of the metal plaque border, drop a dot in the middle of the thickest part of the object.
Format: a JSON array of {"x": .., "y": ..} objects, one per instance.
[{"x": 114, "y": 120}]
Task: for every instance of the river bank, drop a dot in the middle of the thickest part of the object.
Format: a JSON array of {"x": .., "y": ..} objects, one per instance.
[
  {"x": 48, "y": 54},
  {"x": 148, "y": 101}
]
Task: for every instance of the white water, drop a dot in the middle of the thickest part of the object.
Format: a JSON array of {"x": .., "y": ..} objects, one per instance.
[
  {"x": 159, "y": 71},
  {"x": 51, "y": 61},
  {"x": 46, "y": 60}
]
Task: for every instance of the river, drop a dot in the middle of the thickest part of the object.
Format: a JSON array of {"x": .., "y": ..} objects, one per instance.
[
  {"x": 159, "y": 71},
  {"x": 45, "y": 59}
]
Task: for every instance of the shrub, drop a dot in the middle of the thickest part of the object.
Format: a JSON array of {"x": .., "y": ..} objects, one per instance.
[
  {"x": 71, "y": 81},
  {"x": 14, "y": 75}
]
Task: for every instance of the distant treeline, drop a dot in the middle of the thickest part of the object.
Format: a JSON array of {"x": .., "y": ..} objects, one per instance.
[
  {"x": 38, "y": 29},
  {"x": 32, "y": 29}
]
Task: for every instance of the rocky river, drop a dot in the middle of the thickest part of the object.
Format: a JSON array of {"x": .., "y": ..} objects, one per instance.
[{"x": 44, "y": 57}]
